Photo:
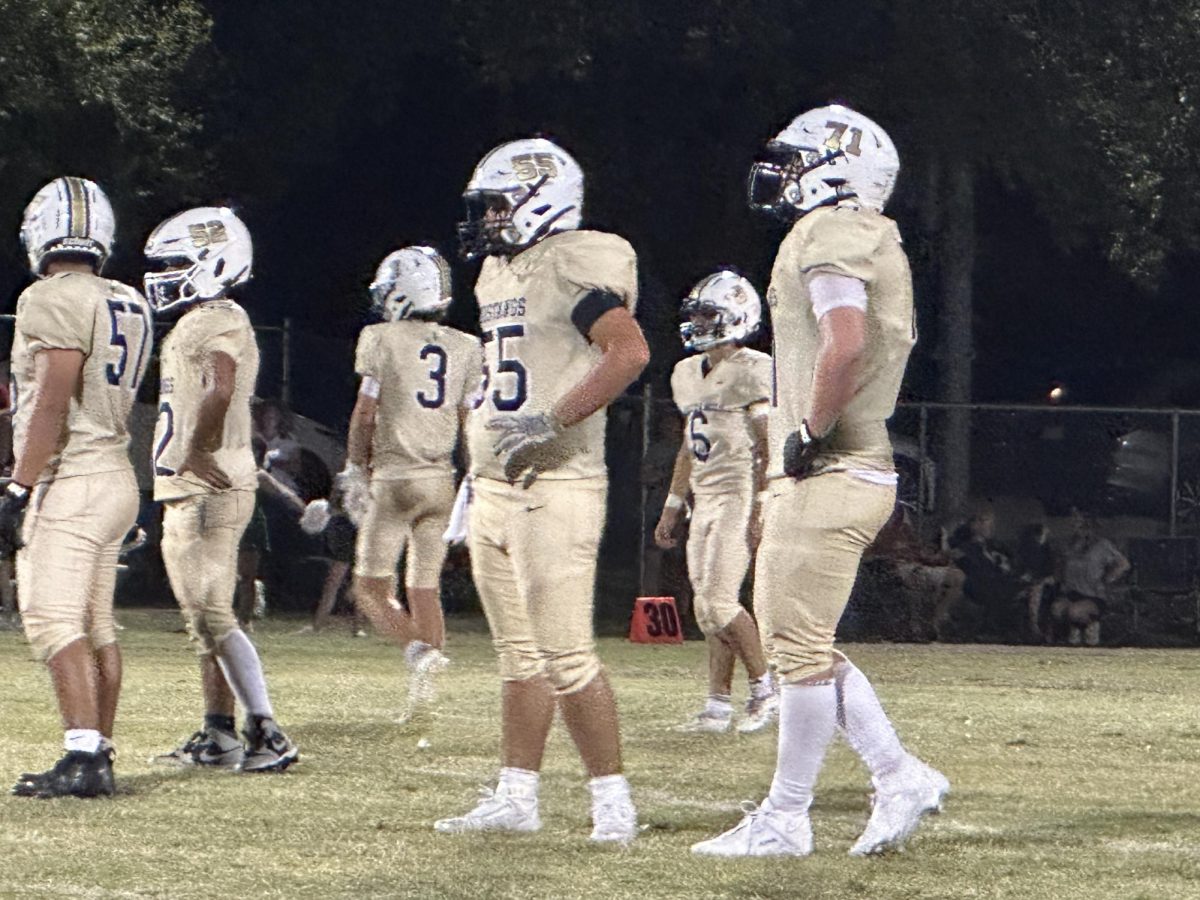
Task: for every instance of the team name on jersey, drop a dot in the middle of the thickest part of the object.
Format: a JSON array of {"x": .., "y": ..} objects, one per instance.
[{"x": 502, "y": 309}]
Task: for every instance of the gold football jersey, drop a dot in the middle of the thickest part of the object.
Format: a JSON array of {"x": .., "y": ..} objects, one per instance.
[
  {"x": 533, "y": 353},
  {"x": 109, "y": 323},
  {"x": 427, "y": 372},
  {"x": 218, "y": 326},
  {"x": 864, "y": 245},
  {"x": 718, "y": 409}
]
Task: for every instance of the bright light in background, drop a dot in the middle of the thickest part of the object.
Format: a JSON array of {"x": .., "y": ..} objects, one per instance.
[{"x": 1057, "y": 393}]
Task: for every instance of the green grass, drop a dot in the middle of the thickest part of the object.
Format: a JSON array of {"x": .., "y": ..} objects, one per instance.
[{"x": 1075, "y": 774}]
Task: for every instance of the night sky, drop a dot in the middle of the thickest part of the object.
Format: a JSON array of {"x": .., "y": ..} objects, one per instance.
[{"x": 341, "y": 135}]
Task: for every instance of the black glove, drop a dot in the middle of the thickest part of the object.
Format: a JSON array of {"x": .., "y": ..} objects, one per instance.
[
  {"x": 12, "y": 514},
  {"x": 800, "y": 450}
]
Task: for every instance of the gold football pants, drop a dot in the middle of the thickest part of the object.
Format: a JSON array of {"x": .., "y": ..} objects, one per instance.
[{"x": 814, "y": 533}]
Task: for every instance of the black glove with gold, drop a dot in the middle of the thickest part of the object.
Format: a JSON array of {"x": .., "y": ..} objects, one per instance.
[
  {"x": 801, "y": 450},
  {"x": 12, "y": 514}
]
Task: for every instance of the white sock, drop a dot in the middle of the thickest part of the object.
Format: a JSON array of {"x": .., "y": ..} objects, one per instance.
[
  {"x": 763, "y": 687},
  {"x": 807, "y": 719},
  {"x": 85, "y": 739},
  {"x": 866, "y": 726},
  {"x": 414, "y": 651},
  {"x": 522, "y": 782},
  {"x": 607, "y": 787},
  {"x": 243, "y": 670},
  {"x": 718, "y": 706}
]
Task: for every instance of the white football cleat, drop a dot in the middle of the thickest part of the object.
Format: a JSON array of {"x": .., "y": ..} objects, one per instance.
[
  {"x": 901, "y": 800},
  {"x": 763, "y": 831},
  {"x": 614, "y": 820},
  {"x": 706, "y": 722},
  {"x": 498, "y": 810},
  {"x": 760, "y": 714}
]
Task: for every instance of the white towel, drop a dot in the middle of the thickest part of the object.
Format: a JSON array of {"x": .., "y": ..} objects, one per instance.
[{"x": 456, "y": 531}]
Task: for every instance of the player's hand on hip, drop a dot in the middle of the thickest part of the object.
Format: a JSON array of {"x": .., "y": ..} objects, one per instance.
[
  {"x": 801, "y": 450},
  {"x": 13, "y": 503},
  {"x": 519, "y": 442},
  {"x": 202, "y": 464}
]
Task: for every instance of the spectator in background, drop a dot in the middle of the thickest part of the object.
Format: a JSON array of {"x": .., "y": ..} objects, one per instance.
[
  {"x": 932, "y": 584},
  {"x": 1036, "y": 565},
  {"x": 990, "y": 584},
  {"x": 273, "y": 426},
  {"x": 1091, "y": 564}
]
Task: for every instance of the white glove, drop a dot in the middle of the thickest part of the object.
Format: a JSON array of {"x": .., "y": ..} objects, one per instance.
[
  {"x": 521, "y": 438},
  {"x": 315, "y": 517},
  {"x": 355, "y": 486},
  {"x": 456, "y": 531}
]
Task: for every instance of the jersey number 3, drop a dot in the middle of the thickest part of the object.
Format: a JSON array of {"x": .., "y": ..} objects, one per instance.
[{"x": 437, "y": 373}]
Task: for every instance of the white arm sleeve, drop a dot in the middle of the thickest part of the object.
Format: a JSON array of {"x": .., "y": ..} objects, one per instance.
[
  {"x": 369, "y": 387},
  {"x": 828, "y": 290}
]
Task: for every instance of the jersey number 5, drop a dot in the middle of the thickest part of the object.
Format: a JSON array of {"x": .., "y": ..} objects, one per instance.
[
  {"x": 507, "y": 365},
  {"x": 121, "y": 314}
]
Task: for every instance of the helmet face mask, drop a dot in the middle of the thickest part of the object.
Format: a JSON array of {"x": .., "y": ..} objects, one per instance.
[
  {"x": 824, "y": 157},
  {"x": 722, "y": 308},
  {"x": 194, "y": 256},
  {"x": 411, "y": 283},
  {"x": 520, "y": 192},
  {"x": 70, "y": 216}
]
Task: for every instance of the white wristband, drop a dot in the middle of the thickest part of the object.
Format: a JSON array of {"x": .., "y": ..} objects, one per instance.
[
  {"x": 674, "y": 501},
  {"x": 369, "y": 387}
]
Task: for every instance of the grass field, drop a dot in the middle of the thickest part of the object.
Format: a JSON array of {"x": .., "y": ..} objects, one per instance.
[{"x": 1075, "y": 774}]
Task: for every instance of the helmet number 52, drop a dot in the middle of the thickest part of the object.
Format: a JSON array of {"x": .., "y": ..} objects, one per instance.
[{"x": 507, "y": 365}]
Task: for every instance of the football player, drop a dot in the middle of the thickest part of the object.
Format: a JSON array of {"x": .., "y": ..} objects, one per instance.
[
  {"x": 80, "y": 350},
  {"x": 205, "y": 475},
  {"x": 419, "y": 380},
  {"x": 560, "y": 343},
  {"x": 842, "y": 314},
  {"x": 723, "y": 393}
]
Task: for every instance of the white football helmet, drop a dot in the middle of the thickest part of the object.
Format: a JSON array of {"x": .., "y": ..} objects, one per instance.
[
  {"x": 826, "y": 156},
  {"x": 201, "y": 254},
  {"x": 69, "y": 215},
  {"x": 520, "y": 192},
  {"x": 723, "y": 308},
  {"x": 412, "y": 281}
]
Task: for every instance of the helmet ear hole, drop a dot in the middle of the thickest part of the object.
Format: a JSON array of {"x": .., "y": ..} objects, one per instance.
[{"x": 219, "y": 268}]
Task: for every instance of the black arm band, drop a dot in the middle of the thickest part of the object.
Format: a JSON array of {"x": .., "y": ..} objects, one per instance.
[{"x": 593, "y": 305}]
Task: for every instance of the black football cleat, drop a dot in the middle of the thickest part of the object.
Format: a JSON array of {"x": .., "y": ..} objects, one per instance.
[
  {"x": 268, "y": 749},
  {"x": 77, "y": 774}
]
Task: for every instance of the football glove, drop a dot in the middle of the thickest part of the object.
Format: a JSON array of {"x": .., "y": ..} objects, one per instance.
[
  {"x": 315, "y": 517},
  {"x": 354, "y": 490},
  {"x": 521, "y": 442},
  {"x": 801, "y": 450},
  {"x": 13, "y": 502}
]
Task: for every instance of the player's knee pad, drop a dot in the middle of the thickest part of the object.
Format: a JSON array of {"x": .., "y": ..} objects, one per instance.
[
  {"x": 572, "y": 670},
  {"x": 209, "y": 627},
  {"x": 517, "y": 663},
  {"x": 714, "y": 616},
  {"x": 48, "y": 633}
]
